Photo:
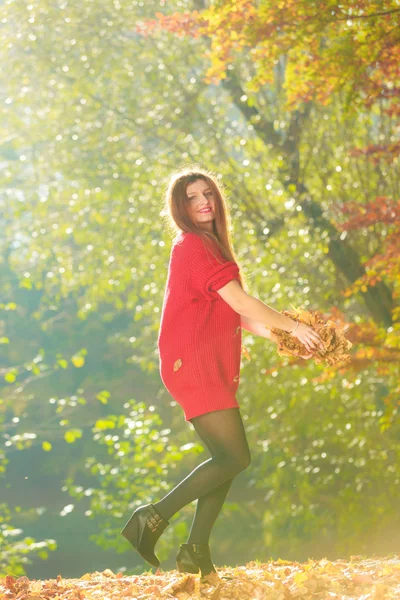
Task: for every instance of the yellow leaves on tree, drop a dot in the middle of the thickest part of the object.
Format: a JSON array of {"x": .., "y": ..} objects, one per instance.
[{"x": 329, "y": 47}]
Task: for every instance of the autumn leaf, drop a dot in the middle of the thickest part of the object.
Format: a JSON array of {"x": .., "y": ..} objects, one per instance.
[{"x": 333, "y": 338}]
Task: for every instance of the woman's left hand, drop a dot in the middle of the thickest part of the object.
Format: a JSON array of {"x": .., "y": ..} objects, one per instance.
[{"x": 306, "y": 356}]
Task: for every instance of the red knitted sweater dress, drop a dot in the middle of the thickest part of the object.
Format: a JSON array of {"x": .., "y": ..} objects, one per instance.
[{"x": 200, "y": 335}]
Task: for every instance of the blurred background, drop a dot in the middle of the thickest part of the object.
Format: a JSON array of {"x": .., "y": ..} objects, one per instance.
[{"x": 294, "y": 106}]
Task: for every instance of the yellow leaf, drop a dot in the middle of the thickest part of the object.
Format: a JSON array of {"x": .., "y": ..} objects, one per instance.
[
  {"x": 300, "y": 577},
  {"x": 246, "y": 352},
  {"x": 177, "y": 364},
  {"x": 78, "y": 360},
  {"x": 103, "y": 396},
  {"x": 104, "y": 424},
  {"x": 71, "y": 435},
  {"x": 10, "y": 377}
]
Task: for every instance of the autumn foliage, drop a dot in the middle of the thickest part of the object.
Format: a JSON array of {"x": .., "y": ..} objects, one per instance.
[
  {"x": 351, "y": 49},
  {"x": 385, "y": 264},
  {"x": 351, "y": 46},
  {"x": 370, "y": 578},
  {"x": 333, "y": 338},
  {"x": 301, "y": 121}
]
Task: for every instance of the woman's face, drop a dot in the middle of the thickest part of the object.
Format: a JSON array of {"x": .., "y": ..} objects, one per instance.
[{"x": 201, "y": 203}]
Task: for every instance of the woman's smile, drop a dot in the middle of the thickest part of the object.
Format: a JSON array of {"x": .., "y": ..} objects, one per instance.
[{"x": 199, "y": 192}]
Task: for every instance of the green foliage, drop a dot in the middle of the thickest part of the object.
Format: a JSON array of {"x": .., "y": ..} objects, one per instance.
[
  {"x": 140, "y": 461},
  {"x": 17, "y": 553},
  {"x": 96, "y": 117}
]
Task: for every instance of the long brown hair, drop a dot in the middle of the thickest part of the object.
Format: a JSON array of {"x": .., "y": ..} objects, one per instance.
[{"x": 178, "y": 219}]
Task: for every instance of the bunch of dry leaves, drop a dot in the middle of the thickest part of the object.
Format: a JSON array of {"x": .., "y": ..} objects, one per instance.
[
  {"x": 358, "y": 578},
  {"x": 333, "y": 338}
]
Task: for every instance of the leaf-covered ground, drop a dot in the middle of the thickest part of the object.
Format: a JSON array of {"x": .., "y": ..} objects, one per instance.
[{"x": 358, "y": 578}]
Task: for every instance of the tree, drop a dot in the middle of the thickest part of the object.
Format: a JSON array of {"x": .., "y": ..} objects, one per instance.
[{"x": 84, "y": 243}]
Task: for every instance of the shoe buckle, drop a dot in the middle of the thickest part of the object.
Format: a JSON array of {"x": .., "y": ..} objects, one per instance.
[{"x": 153, "y": 521}]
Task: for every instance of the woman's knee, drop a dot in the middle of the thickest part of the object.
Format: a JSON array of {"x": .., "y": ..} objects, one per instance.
[
  {"x": 245, "y": 460},
  {"x": 236, "y": 463}
]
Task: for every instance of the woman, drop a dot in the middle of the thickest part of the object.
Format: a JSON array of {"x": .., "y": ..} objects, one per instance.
[{"x": 205, "y": 307}]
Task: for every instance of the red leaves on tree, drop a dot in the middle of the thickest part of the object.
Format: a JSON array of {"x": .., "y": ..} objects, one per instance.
[{"x": 384, "y": 211}]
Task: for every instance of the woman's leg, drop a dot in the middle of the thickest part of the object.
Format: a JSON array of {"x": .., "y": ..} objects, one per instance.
[
  {"x": 209, "y": 505},
  {"x": 225, "y": 433},
  {"x": 207, "y": 510}
]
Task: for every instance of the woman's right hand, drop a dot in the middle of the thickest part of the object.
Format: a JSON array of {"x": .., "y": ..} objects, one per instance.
[{"x": 309, "y": 337}]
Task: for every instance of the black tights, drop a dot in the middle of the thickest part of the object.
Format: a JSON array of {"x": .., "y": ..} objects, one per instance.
[{"x": 223, "y": 433}]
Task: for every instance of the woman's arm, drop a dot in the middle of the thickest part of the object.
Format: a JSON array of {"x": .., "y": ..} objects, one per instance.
[
  {"x": 253, "y": 309},
  {"x": 256, "y": 327},
  {"x": 259, "y": 329},
  {"x": 245, "y": 305}
]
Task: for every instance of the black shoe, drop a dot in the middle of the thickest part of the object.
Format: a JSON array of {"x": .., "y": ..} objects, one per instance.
[
  {"x": 143, "y": 530},
  {"x": 193, "y": 558}
]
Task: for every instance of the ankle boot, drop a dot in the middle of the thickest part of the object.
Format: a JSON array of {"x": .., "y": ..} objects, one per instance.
[
  {"x": 193, "y": 558},
  {"x": 143, "y": 530}
]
